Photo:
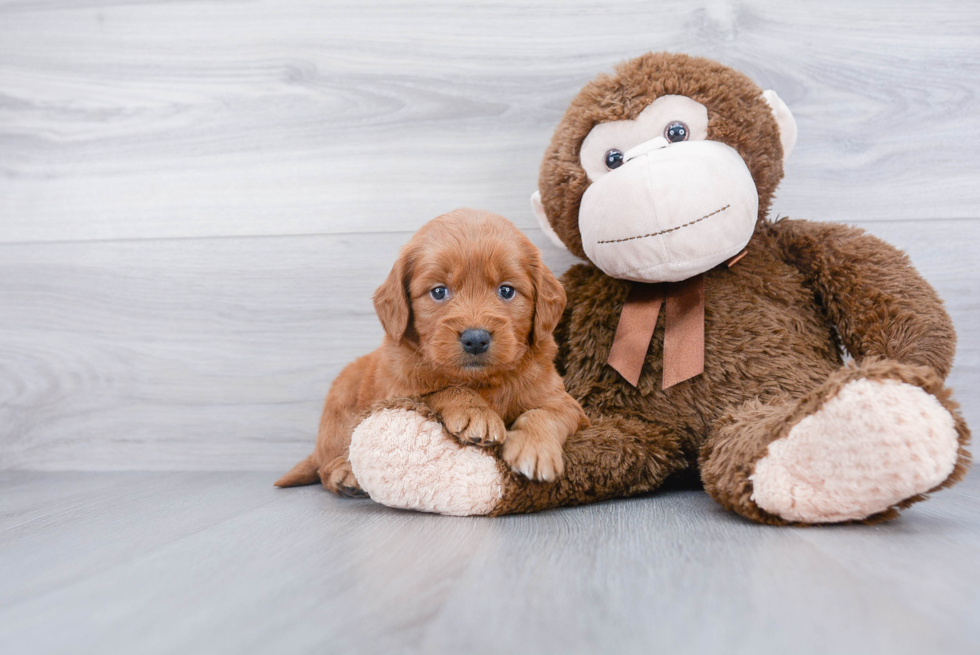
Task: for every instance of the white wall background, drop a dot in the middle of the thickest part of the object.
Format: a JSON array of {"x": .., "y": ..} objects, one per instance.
[{"x": 198, "y": 198}]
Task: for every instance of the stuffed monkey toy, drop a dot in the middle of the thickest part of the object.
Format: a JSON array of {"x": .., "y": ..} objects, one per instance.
[{"x": 701, "y": 337}]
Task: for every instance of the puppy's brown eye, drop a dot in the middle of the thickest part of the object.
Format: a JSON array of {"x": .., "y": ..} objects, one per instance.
[
  {"x": 439, "y": 293},
  {"x": 676, "y": 132},
  {"x": 614, "y": 158},
  {"x": 506, "y": 292}
]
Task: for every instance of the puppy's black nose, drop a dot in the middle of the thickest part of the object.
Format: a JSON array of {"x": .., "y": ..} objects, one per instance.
[{"x": 475, "y": 341}]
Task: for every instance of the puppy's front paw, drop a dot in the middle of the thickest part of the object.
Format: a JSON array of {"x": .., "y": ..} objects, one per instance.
[
  {"x": 475, "y": 425},
  {"x": 338, "y": 477},
  {"x": 534, "y": 456}
]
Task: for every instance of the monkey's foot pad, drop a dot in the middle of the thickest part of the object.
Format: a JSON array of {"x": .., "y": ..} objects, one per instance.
[
  {"x": 873, "y": 445},
  {"x": 405, "y": 460}
]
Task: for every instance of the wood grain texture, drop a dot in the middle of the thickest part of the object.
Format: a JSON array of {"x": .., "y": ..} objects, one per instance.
[
  {"x": 225, "y": 563},
  {"x": 129, "y": 119},
  {"x": 168, "y": 354},
  {"x": 197, "y": 200},
  {"x": 215, "y": 354}
]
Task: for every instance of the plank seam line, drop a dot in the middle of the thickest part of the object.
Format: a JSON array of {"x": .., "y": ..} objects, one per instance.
[{"x": 300, "y": 235}]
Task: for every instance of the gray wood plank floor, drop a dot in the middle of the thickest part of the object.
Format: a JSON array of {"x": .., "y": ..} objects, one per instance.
[
  {"x": 196, "y": 202},
  {"x": 223, "y": 562}
]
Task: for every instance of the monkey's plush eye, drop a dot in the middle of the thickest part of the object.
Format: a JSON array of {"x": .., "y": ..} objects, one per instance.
[
  {"x": 506, "y": 292},
  {"x": 439, "y": 293},
  {"x": 614, "y": 158},
  {"x": 676, "y": 131}
]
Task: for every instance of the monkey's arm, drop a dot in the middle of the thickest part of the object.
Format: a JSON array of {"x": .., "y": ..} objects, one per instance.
[{"x": 871, "y": 293}]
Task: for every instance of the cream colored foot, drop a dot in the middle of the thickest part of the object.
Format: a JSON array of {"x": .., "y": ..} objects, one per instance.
[
  {"x": 404, "y": 460},
  {"x": 873, "y": 445}
]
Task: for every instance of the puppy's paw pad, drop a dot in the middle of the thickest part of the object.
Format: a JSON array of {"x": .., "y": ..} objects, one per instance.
[
  {"x": 351, "y": 492},
  {"x": 338, "y": 477},
  {"x": 868, "y": 448},
  {"x": 535, "y": 459}
]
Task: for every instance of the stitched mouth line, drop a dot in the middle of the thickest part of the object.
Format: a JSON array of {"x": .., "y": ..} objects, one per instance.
[{"x": 672, "y": 229}]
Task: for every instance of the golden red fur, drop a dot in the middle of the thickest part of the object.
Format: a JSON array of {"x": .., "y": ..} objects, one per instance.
[{"x": 509, "y": 395}]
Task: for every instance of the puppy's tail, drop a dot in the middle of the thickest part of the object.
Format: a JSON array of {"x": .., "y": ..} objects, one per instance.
[{"x": 303, "y": 473}]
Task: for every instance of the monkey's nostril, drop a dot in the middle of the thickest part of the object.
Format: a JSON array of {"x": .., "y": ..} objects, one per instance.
[{"x": 475, "y": 341}]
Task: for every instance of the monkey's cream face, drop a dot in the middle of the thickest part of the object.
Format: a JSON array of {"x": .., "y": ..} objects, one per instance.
[{"x": 664, "y": 202}]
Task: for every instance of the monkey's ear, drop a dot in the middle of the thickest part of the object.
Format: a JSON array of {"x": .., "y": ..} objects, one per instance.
[
  {"x": 785, "y": 120},
  {"x": 549, "y": 231},
  {"x": 549, "y": 300},
  {"x": 391, "y": 300}
]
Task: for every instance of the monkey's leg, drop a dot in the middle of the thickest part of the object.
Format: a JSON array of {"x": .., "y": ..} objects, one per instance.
[
  {"x": 871, "y": 440},
  {"x": 403, "y": 458}
]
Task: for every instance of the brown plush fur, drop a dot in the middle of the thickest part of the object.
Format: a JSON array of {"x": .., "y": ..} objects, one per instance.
[
  {"x": 772, "y": 350},
  {"x": 737, "y": 116},
  {"x": 510, "y": 395},
  {"x": 741, "y": 437}
]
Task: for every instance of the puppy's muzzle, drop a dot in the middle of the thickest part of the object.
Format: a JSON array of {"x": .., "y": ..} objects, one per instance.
[{"x": 475, "y": 342}]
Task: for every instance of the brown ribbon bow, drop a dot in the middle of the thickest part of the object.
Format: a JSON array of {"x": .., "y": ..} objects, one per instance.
[{"x": 683, "y": 329}]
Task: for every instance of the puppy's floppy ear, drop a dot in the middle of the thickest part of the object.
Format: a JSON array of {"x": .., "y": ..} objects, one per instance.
[
  {"x": 392, "y": 302},
  {"x": 549, "y": 299}
]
